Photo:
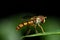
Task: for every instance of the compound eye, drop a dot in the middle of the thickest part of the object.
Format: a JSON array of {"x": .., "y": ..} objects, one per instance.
[
  {"x": 43, "y": 21},
  {"x": 45, "y": 17}
]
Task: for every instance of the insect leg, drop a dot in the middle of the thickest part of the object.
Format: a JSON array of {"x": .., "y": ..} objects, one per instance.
[
  {"x": 28, "y": 31},
  {"x": 35, "y": 28},
  {"x": 41, "y": 28}
]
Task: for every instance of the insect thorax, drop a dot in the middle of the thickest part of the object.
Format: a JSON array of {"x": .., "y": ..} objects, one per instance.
[{"x": 38, "y": 20}]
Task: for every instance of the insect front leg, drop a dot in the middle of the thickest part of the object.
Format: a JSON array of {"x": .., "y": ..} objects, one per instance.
[{"x": 41, "y": 28}]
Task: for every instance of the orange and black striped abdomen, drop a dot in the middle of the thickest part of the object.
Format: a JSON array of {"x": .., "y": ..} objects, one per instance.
[{"x": 25, "y": 24}]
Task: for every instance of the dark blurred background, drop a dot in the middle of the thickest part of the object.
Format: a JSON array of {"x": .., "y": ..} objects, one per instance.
[{"x": 36, "y": 7}]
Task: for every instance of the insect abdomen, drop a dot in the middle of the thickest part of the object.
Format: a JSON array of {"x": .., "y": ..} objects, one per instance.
[
  {"x": 24, "y": 24},
  {"x": 19, "y": 26}
]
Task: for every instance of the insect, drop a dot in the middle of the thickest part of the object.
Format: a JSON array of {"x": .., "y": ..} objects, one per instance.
[{"x": 33, "y": 21}]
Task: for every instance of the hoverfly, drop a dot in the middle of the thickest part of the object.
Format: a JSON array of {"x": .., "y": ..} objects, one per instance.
[{"x": 33, "y": 21}]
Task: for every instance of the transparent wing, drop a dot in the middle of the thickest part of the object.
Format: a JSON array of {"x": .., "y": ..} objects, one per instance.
[{"x": 27, "y": 17}]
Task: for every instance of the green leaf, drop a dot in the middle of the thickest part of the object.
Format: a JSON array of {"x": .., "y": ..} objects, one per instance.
[{"x": 42, "y": 34}]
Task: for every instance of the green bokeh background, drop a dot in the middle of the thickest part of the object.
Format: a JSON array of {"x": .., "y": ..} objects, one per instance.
[{"x": 8, "y": 28}]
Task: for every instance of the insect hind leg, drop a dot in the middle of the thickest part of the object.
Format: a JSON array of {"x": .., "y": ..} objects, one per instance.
[
  {"x": 28, "y": 31},
  {"x": 35, "y": 28}
]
